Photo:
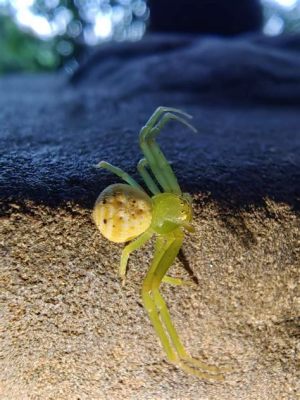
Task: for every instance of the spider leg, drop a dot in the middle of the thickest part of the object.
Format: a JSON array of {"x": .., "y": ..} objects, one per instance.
[
  {"x": 134, "y": 245},
  {"x": 169, "y": 116},
  {"x": 157, "y": 169},
  {"x": 169, "y": 279},
  {"x": 161, "y": 110},
  {"x": 174, "y": 281},
  {"x": 141, "y": 167},
  {"x": 170, "y": 340},
  {"x": 120, "y": 173},
  {"x": 148, "y": 301},
  {"x": 157, "y": 161}
]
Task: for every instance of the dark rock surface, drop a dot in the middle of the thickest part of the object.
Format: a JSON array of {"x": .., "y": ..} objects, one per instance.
[
  {"x": 244, "y": 95},
  {"x": 70, "y": 330},
  {"x": 214, "y": 16}
]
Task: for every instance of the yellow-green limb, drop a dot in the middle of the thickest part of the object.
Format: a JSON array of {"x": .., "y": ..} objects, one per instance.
[
  {"x": 120, "y": 173},
  {"x": 157, "y": 161},
  {"x": 134, "y": 245},
  {"x": 174, "y": 281},
  {"x": 142, "y": 168},
  {"x": 166, "y": 251}
]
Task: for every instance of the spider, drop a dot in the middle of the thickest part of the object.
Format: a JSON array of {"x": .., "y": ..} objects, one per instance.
[{"x": 124, "y": 212}]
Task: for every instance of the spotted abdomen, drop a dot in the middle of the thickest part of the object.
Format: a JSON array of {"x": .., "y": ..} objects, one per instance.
[{"x": 122, "y": 212}]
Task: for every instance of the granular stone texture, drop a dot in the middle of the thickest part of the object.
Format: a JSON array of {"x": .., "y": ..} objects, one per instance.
[{"x": 69, "y": 329}]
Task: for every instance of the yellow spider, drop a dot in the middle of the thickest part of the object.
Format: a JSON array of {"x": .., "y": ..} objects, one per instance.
[{"x": 125, "y": 211}]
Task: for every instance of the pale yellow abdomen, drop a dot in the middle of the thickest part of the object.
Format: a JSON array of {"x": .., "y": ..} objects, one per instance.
[{"x": 122, "y": 212}]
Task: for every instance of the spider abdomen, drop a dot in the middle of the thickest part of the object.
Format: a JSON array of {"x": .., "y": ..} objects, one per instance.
[{"x": 122, "y": 212}]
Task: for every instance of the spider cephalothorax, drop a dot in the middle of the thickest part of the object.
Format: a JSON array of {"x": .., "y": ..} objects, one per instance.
[{"x": 125, "y": 211}]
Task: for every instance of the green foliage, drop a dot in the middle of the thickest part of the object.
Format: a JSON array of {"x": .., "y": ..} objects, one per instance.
[
  {"x": 22, "y": 51},
  {"x": 50, "y": 34}
]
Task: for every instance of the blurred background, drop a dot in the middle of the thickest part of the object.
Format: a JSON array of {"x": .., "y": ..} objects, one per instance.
[{"x": 39, "y": 35}]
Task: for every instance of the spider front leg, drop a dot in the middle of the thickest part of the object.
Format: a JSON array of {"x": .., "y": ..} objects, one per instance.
[
  {"x": 165, "y": 254},
  {"x": 168, "y": 279},
  {"x": 157, "y": 161},
  {"x": 162, "y": 110},
  {"x": 142, "y": 168}
]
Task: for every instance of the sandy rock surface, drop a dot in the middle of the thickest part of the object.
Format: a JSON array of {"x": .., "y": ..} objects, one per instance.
[{"x": 69, "y": 329}]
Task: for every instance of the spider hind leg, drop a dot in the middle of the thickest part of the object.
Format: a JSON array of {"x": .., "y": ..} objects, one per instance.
[
  {"x": 132, "y": 246},
  {"x": 120, "y": 173}
]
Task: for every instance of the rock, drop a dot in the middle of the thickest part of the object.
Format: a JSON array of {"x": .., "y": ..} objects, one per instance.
[
  {"x": 69, "y": 328},
  {"x": 215, "y": 17}
]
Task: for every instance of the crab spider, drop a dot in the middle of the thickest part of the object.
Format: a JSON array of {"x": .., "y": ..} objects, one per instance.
[{"x": 124, "y": 212}]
